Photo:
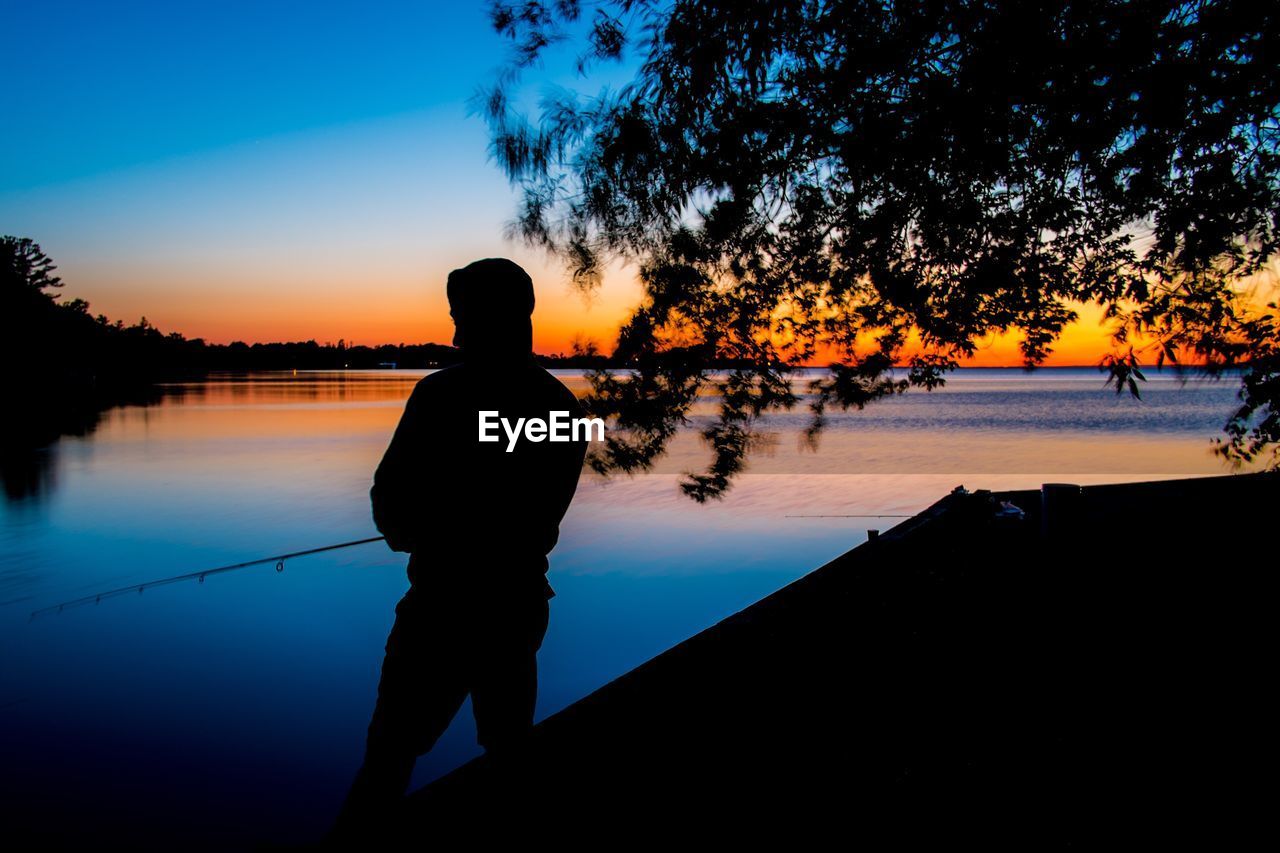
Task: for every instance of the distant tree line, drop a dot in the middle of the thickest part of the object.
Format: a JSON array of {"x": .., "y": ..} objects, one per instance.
[
  {"x": 310, "y": 355},
  {"x": 51, "y": 345}
]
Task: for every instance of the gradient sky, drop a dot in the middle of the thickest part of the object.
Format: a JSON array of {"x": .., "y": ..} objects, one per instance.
[{"x": 277, "y": 170}]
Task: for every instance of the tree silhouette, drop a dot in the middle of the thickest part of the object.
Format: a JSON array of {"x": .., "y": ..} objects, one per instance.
[
  {"x": 25, "y": 268},
  {"x": 880, "y": 183}
]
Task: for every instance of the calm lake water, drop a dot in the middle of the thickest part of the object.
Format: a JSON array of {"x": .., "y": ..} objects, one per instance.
[{"x": 230, "y": 712}]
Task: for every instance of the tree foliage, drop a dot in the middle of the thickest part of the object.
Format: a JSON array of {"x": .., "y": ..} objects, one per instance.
[
  {"x": 880, "y": 183},
  {"x": 25, "y": 268}
]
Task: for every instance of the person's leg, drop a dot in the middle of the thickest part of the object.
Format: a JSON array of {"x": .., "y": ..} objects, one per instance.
[
  {"x": 420, "y": 691},
  {"x": 504, "y": 685}
]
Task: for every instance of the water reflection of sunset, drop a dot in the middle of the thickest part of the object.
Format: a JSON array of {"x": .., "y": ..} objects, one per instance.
[{"x": 997, "y": 422}]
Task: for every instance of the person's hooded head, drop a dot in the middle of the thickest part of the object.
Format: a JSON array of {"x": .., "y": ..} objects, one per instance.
[{"x": 491, "y": 302}]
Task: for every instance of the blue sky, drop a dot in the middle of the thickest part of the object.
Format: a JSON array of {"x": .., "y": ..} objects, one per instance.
[
  {"x": 107, "y": 85},
  {"x": 264, "y": 171}
]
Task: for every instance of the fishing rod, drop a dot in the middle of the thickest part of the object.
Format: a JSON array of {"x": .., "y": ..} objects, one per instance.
[{"x": 278, "y": 559}]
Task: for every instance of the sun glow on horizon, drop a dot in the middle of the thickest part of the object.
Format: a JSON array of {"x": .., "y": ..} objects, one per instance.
[{"x": 414, "y": 311}]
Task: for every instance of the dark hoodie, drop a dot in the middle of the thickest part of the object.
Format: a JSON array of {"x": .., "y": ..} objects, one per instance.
[{"x": 473, "y": 516}]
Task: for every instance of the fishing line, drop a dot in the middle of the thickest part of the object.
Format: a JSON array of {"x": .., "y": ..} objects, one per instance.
[{"x": 848, "y": 516}]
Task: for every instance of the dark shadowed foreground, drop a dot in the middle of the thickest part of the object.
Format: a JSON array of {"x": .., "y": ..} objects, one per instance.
[{"x": 1058, "y": 679}]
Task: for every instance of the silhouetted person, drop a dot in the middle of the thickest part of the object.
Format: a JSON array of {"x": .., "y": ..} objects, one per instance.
[{"x": 478, "y": 522}]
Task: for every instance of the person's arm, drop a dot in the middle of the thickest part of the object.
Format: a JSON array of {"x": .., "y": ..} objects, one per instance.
[
  {"x": 562, "y": 482},
  {"x": 397, "y": 481}
]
